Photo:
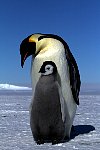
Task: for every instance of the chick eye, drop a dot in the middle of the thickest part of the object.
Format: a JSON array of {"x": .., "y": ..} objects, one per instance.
[{"x": 48, "y": 68}]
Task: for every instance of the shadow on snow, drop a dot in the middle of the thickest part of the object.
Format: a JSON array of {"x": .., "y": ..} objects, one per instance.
[
  {"x": 76, "y": 130},
  {"x": 81, "y": 129}
]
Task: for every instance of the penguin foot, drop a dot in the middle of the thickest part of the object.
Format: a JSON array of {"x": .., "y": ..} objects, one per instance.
[
  {"x": 54, "y": 142},
  {"x": 66, "y": 139},
  {"x": 40, "y": 142}
]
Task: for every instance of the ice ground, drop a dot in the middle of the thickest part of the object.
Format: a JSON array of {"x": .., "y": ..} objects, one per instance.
[{"x": 15, "y": 133}]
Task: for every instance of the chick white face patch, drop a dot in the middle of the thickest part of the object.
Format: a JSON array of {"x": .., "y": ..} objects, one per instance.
[{"x": 48, "y": 70}]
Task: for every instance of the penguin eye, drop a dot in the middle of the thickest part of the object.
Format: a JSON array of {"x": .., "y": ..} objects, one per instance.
[{"x": 48, "y": 68}]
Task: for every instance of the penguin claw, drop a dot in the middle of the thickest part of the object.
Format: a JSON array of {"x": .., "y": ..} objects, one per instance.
[
  {"x": 39, "y": 142},
  {"x": 54, "y": 142}
]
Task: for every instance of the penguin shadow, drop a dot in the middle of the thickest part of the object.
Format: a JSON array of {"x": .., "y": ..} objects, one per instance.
[
  {"x": 76, "y": 131},
  {"x": 81, "y": 129}
]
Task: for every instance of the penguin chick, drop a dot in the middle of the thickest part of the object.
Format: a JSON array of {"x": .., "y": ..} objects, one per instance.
[{"x": 45, "y": 116}]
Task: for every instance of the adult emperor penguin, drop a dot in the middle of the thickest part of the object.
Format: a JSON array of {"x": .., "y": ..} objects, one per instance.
[
  {"x": 45, "y": 115},
  {"x": 48, "y": 47}
]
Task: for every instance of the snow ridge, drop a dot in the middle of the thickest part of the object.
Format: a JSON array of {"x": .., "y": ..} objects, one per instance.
[{"x": 13, "y": 87}]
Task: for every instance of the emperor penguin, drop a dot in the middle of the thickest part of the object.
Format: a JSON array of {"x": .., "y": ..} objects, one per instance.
[
  {"x": 45, "y": 114},
  {"x": 49, "y": 47}
]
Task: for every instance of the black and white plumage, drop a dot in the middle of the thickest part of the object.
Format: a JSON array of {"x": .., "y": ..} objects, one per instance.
[
  {"x": 48, "y": 47},
  {"x": 48, "y": 68}
]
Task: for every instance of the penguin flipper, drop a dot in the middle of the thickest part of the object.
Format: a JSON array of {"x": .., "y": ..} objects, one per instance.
[{"x": 74, "y": 75}]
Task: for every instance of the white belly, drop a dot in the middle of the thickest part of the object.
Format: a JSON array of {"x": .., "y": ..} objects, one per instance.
[{"x": 58, "y": 57}]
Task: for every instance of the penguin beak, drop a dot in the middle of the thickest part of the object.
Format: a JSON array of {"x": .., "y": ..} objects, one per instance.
[
  {"x": 41, "y": 70},
  {"x": 27, "y": 48},
  {"x": 31, "y": 45}
]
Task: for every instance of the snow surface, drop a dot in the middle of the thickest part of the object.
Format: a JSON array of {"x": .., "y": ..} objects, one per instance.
[
  {"x": 13, "y": 87},
  {"x": 15, "y": 132}
]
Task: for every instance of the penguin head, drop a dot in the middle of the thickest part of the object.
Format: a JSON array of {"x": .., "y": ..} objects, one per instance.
[
  {"x": 48, "y": 68},
  {"x": 39, "y": 43}
]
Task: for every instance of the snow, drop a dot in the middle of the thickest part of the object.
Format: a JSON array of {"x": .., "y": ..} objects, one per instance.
[
  {"x": 13, "y": 87},
  {"x": 15, "y": 132}
]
